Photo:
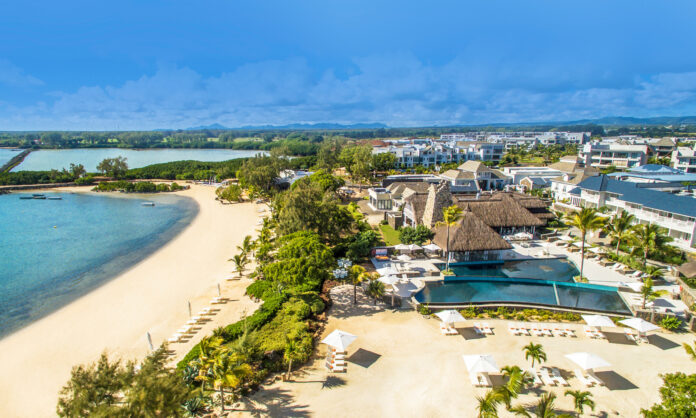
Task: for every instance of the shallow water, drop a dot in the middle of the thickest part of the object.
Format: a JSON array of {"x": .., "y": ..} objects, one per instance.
[
  {"x": 54, "y": 251},
  {"x": 7, "y": 154},
  {"x": 58, "y": 159}
]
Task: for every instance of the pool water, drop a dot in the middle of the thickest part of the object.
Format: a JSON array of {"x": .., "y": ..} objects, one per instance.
[
  {"x": 556, "y": 269},
  {"x": 527, "y": 291}
]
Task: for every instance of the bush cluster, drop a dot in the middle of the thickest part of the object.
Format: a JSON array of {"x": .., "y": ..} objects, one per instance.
[{"x": 137, "y": 187}]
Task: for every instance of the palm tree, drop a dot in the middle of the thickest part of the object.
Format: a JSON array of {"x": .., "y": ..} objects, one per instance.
[
  {"x": 357, "y": 275},
  {"x": 647, "y": 290},
  {"x": 581, "y": 399},
  {"x": 240, "y": 261},
  {"x": 247, "y": 246},
  {"x": 488, "y": 405},
  {"x": 620, "y": 228},
  {"x": 544, "y": 408},
  {"x": 207, "y": 349},
  {"x": 650, "y": 237},
  {"x": 228, "y": 371},
  {"x": 516, "y": 380},
  {"x": 451, "y": 215},
  {"x": 586, "y": 220},
  {"x": 375, "y": 289},
  {"x": 535, "y": 352},
  {"x": 293, "y": 352},
  {"x": 691, "y": 351}
]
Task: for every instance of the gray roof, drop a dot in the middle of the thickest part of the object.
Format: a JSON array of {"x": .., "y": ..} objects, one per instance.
[{"x": 629, "y": 192}]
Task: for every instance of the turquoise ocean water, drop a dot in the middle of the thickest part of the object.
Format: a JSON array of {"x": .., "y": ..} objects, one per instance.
[
  {"x": 6, "y": 155},
  {"x": 54, "y": 251},
  {"x": 90, "y": 158}
]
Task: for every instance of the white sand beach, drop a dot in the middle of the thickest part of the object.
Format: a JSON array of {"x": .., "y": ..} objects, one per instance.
[{"x": 151, "y": 296}]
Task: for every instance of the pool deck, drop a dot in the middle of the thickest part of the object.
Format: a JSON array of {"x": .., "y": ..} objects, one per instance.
[{"x": 402, "y": 366}]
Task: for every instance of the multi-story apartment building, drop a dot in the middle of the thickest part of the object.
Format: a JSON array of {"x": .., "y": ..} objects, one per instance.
[
  {"x": 436, "y": 153},
  {"x": 684, "y": 158},
  {"x": 677, "y": 214},
  {"x": 605, "y": 154}
]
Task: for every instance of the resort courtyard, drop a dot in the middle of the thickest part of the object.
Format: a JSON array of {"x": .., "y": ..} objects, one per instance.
[{"x": 401, "y": 365}]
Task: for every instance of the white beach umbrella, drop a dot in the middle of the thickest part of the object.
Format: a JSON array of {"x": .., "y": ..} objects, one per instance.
[
  {"x": 401, "y": 247},
  {"x": 338, "y": 339},
  {"x": 431, "y": 247},
  {"x": 403, "y": 290},
  {"x": 450, "y": 316},
  {"x": 639, "y": 324},
  {"x": 403, "y": 257},
  {"x": 587, "y": 361},
  {"x": 598, "y": 321},
  {"x": 414, "y": 247},
  {"x": 480, "y": 363}
]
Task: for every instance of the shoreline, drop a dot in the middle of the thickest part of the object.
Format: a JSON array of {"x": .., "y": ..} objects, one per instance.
[{"x": 149, "y": 296}]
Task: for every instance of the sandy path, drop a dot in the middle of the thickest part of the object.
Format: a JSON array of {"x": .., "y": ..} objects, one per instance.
[{"x": 150, "y": 296}]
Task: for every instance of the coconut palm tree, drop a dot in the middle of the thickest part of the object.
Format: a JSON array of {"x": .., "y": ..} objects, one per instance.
[
  {"x": 488, "y": 404},
  {"x": 535, "y": 352},
  {"x": 649, "y": 238},
  {"x": 516, "y": 380},
  {"x": 620, "y": 228},
  {"x": 207, "y": 349},
  {"x": 647, "y": 291},
  {"x": 228, "y": 371},
  {"x": 247, "y": 246},
  {"x": 581, "y": 399},
  {"x": 451, "y": 215},
  {"x": 375, "y": 289},
  {"x": 293, "y": 352},
  {"x": 544, "y": 408},
  {"x": 240, "y": 261},
  {"x": 691, "y": 351},
  {"x": 356, "y": 275},
  {"x": 586, "y": 220}
]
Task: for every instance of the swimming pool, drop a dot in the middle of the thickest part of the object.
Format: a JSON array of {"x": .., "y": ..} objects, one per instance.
[
  {"x": 481, "y": 290},
  {"x": 556, "y": 269}
]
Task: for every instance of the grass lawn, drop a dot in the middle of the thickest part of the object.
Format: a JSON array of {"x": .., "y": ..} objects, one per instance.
[{"x": 390, "y": 235}]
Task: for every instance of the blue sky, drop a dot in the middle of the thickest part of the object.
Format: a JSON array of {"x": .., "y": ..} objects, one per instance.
[{"x": 152, "y": 64}]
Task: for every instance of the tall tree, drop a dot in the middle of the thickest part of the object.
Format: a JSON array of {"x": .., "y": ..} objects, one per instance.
[
  {"x": 677, "y": 397},
  {"x": 647, "y": 291},
  {"x": 650, "y": 238},
  {"x": 516, "y": 380},
  {"x": 487, "y": 405},
  {"x": 535, "y": 352},
  {"x": 586, "y": 220},
  {"x": 229, "y": 371},
  {"x": 451, "y": 215},
  {"x": 293, "y": 352},
  {"x": 375, "y": 289},
  {"x": 356, "y": 274},
  {"x": 544, "y": 408},
  {"x": 240, "y": 262},
  {"x": 620, "y": 228}
]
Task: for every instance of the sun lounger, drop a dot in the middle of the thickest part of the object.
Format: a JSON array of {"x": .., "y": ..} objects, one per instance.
[
  {"x": 569, "y": 332},
  {"x": 478, "y": 329},
  {"x": 581, "y": 377},
  {"x": 558, "y": 332},
  {"x": 174, "y": 338},
  {"x": 546, "y": 378},
  {"x": 185, "y": 329},
  {"x": 533, "y": 373},
  {"x": 523, "y": 328},
  {"x": 487, "y": 328},
  {"x": 217, "y": 300},
  {"x": 536, "y": 331},
  {"x": 630, "y": 335},
  {"x": 593, "y": 377},
  {"x": 447, "y": 330},
  {"x": 513, "y": 329},
  {"x": 556, "y": 375},
  {"x": 592, "y": 332},
  {"x": 337, "y": 369},
  {"x": 206, "y": 311},
  {"x": 546, "y": 330}
]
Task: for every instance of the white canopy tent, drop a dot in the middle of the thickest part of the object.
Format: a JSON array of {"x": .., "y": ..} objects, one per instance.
[
  {"x": 587, "y": 361},
  {"x": 450, "y": 316},
  {"x": 480, "y": 363},
  {"x": 338, "y": 339},
  {"x": 414, "y": 247},
  {"x": 431, "y": 248},
  {"x": 402, "y": 247}
]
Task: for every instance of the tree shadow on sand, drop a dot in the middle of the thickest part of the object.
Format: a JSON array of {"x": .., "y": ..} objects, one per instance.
[
  {"x": 274, "y": 402},
  {"x": 342, "y": 303}
]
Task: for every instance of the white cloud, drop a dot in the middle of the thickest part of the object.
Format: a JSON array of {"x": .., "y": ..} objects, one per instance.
[
  {"x": 13, "y": 76},
  {"x": 397, "y": 89}
]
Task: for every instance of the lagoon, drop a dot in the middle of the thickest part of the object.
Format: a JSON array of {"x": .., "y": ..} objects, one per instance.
[
  {"x": 90, "y": 157},
  {"x": 7, "y": 154},
  {"x": 54, "y": 251}
]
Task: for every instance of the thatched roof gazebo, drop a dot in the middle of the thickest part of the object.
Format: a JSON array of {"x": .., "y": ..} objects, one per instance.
[
  {"x": 502, "y": 213},
  {"x": 470, "y": 234}
]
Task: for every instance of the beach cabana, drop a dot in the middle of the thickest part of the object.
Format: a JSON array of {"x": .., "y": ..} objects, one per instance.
[
  {"x": 471, "y": 240},
  {"x": 340, "y": 340},
  {"x": 402, "y": 248}
]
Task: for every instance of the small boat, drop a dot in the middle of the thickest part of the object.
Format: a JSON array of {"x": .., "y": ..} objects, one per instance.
[
  {"x": 148, "y": 203},
  {"x": 40, "y": 197},
  {"x": 25, "y": 197},
  {"x": 54, "y": 198}
]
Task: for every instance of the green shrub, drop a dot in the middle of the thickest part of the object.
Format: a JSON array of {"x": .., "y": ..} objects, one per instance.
[
  {"x": 258, "y": 288},
  {"x": 671, "y": 323},
  {"x": 424, "y": 309},
  {"x": 289, "y": 323},
  {"x": 84, "y": 180},
  {"x": 316, "y": 304}
]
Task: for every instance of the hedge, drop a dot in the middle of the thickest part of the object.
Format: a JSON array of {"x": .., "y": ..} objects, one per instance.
[{"x": 261, "y": 316}]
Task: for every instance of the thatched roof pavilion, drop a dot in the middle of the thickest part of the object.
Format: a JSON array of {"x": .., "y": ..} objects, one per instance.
[
  {"x": 469, "y": 234},
  {"x": 504, "y": 212}
]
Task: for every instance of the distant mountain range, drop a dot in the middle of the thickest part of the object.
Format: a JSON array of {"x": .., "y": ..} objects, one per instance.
[
  {"x": 295, "y": 126},
  {"x": 605, "y": 121}
]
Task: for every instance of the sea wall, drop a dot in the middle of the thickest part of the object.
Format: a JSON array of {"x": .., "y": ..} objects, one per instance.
[{"x": 15, "y": 161}]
